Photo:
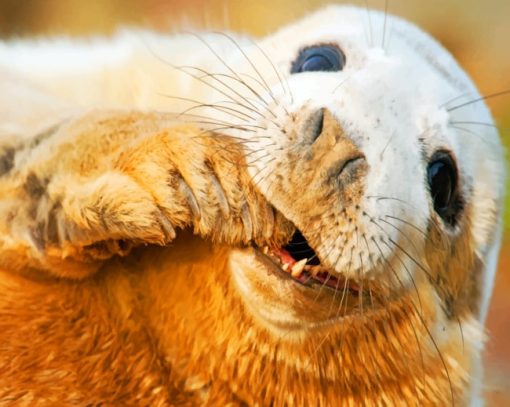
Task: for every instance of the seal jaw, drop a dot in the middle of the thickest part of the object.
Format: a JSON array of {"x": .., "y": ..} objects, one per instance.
[
  {"x": 287, "y": 292},
  {"x": 300, "y": 261}
]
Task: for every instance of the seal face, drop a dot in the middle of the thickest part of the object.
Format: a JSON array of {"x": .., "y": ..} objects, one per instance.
[
  {"x": 388, "y": 211},
  {"x": 360, "y": 143}
]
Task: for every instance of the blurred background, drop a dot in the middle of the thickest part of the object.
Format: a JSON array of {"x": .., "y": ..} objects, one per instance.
[{"x": 477, "y": 32}]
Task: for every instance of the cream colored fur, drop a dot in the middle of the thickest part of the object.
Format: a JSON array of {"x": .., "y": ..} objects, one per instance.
[{"x": 112, "y": 180}]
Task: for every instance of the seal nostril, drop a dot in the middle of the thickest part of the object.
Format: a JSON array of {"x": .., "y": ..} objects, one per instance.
[
  {"x": 316, "y": 124},
  {"x": 351, "y": 170}
]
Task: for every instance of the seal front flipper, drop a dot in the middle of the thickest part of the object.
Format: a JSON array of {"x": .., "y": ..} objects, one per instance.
[{"x": 103, "y": 183}]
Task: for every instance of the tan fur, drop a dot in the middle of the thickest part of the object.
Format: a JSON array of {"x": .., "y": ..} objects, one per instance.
[
  {"x": 158, "y": 327},
  {"x": 90, "y": 314},
  {"x": 71, "y": 198}
]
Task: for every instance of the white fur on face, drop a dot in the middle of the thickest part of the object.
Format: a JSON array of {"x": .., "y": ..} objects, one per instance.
[{"x": 394, "y": 103}]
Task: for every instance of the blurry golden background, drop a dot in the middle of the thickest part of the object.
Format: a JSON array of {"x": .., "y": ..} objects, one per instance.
[{"x": 476, "y": 31}]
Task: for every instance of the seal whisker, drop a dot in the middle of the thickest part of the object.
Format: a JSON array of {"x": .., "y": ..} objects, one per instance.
[
  {"x": 408, "y": 223},
  {"x": 479, "y": 99},
  {"x": 427, "y": 272},
  {"x": 325, "y": 337},
  {"x": 367, "y": 8},
  {"x": 384, "y": 24},
  {"x": 206, "y": 134},
  {"x": 479, "y": 124},
  {"x": 220, "y": 149},
  {"x": 218, "y": 104},
  {"x": 325, "y": 282},
  {"x": 398, "y": 257},
  {"x": 221, "y": 126},
  {"x": 395, "y": 274},
  {"x": 250, "y": 62},
  {"x": 224, "y": 109},
  {"x": 471, "y": 133},
  {"x": 405, "y": 235},
  {"x": 334, "y": 295},
  {"x": 203, "y": 119},
  {"x": 243, "y": 126},
  {"x": 400, "y": 260},
  {"x": 216, "y": 88},
  {"x": 200, "y": 78},
  {"x": 258, "y": 99},
  {"x": 453, "y": 99},
  {"x": 341, "y": 84},
  {"x": 215, "y": 76},
  {"x": 445, "y": 244},
  {"x": 263, "y": 178},
  {"x": 279, "y": 76},
  {"x": 441, "y": 357},
  {"x": 410, "y": 275},
  {"x": 383, "y": 198},
  {"x": 226, "y": 65}
]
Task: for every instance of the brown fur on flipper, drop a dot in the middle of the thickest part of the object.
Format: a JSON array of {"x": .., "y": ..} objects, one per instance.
[{"x": 107, "y": 181}]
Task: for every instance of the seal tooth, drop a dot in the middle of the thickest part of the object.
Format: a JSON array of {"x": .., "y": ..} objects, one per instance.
[
  {"x": 285, "y": 267},
  {"x": 297, "y": 268},
  {"x": 265, "y": 250}
]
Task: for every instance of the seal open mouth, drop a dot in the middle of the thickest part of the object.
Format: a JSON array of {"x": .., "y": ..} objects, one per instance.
[
  {"x": 300, "y": 261},
  {"x": 288, "y": 288}
]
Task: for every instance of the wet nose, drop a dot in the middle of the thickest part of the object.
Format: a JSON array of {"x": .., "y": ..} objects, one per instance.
[
  {"x": 322, "y": 123},
  {"x": 335, "y": 151},
  {"x": 315, "y": 124}
]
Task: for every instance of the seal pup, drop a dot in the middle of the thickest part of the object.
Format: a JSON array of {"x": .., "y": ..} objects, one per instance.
[{"x": 356, "y": 223}]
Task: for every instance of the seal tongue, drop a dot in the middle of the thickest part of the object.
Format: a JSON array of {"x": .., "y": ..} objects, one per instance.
[{"x": 285, "y": 256}]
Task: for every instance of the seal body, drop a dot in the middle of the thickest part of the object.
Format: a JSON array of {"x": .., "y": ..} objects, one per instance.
[{"x": 353, "y": 212}]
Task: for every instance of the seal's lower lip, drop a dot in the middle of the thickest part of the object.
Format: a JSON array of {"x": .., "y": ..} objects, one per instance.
[{"x": 306, "y": 271}]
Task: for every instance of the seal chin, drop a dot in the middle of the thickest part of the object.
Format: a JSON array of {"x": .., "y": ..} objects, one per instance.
[{"x": 292, "y": 296}]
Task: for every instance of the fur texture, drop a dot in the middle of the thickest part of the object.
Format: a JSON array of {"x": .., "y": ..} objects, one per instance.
[{"x": 133, "y": 244}]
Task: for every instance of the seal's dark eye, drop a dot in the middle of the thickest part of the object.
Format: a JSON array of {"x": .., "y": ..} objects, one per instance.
[
  {"x": 442, "y": 178},
  {"x": 326, "y": 58}
]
